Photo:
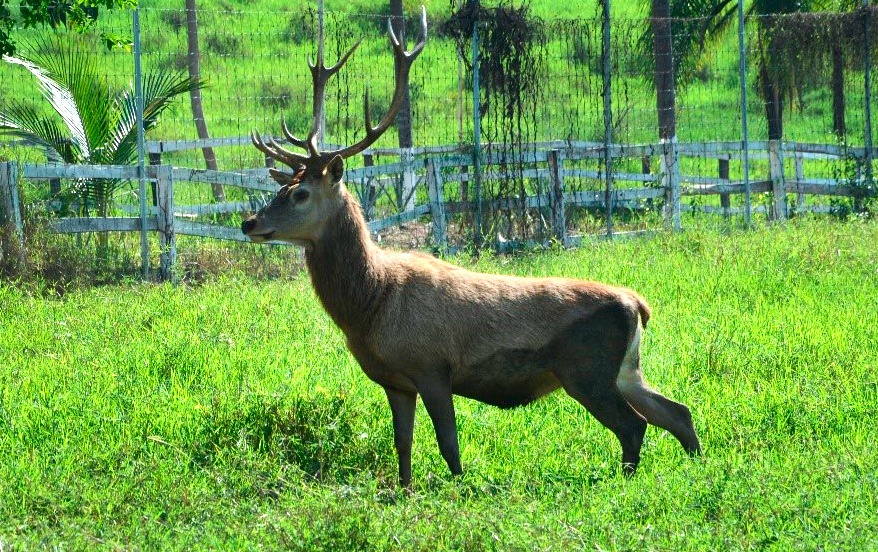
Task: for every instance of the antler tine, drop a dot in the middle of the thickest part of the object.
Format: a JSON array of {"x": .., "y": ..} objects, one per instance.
[
  {"x": 413, "y": 53},
  {"x": 275, "y": 151},
  {"x": 320, "y": 75},
  {"x": 402, "y": 63},
  {"x": 260, "y": 145},
  {"x": 298, "y": 142},
  {"x": 334, "y": 69}
]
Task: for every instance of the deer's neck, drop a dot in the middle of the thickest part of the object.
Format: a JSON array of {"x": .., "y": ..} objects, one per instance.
[{"x": 345, "y": 268}]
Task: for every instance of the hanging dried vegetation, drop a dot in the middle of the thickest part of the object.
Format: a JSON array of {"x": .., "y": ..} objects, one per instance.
[{"x": 512, "y": 58}]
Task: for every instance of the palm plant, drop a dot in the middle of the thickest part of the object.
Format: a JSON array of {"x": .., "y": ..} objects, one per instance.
[
  {"x": 92, "y": 123},
  {"x": 785, "y": 62}
]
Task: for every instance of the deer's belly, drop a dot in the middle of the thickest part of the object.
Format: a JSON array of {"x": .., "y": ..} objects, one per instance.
[{"x": 506, "y": 379}]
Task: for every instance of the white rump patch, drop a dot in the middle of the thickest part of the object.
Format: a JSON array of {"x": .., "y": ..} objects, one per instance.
[{"x": 630, "y": 379}]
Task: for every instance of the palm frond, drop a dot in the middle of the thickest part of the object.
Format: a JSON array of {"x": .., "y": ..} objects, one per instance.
[
  {"x": 161, "y": 89},
  {"x": 123, "y": 139},
  {"x": 68, "y": 58},
  {"x": 23, "y": 121},
  {"x": 159, "y": 92},
  {"x": 61, "y": 100},
  {"x": 101, "y": 125}
]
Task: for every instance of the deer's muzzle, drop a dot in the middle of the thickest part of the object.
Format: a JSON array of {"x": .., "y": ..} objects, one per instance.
[{"x": 248, "y": 225}]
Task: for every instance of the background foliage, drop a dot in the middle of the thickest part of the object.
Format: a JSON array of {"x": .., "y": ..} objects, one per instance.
[{"x": 73, "y": 14}]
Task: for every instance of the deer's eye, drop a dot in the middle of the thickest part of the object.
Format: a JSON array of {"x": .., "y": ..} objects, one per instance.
[{"x": 300, "y": 196}]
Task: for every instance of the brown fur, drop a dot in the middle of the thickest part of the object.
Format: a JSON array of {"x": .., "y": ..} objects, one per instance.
[{"x": 420, "y": 326}]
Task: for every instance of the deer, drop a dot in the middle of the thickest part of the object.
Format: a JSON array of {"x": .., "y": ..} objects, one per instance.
[{"x": 420, "y": 326}]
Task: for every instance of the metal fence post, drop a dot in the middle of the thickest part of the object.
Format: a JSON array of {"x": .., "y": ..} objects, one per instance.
[
  {"x": 867, "y": 101},
  {"x": 141, "y": 144},
  {"x": 745, "y": 139},
  {"x": 477, "y": 134},
  {"x": 321, "y": 107}
]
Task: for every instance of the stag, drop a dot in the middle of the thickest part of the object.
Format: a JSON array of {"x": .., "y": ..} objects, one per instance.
[{"x": 421, "y": 326}]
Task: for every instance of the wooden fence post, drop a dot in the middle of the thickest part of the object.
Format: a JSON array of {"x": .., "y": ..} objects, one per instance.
[
  {"x": 646, "y": 169},
  {"x": 437, "y": 204},
  {"x": 155, "y": 159},
  {"x": 800, "y": 177},
  {"x": 556, "y": 197},
  {"x": 165, "y": 221},
  {"x": 778, "y": 185},
  {"x": 11, "y": 229},
  {"x": 670, "y": 168},
  {"x": 725, "y": 199}
]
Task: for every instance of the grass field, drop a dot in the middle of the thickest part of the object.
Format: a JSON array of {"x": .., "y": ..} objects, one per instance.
[{"x": 230, "y": 415}]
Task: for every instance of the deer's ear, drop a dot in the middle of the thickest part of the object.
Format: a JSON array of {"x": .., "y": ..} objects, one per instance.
[
  {"x": 282, "y": 178},
  {"x": 335, "y": 169}
]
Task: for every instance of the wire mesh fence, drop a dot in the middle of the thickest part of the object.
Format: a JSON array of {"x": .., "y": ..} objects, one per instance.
[{"x": 254, "y": 66}]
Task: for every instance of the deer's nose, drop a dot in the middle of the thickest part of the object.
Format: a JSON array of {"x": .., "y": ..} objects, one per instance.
[{"x": 248, "y": 225}]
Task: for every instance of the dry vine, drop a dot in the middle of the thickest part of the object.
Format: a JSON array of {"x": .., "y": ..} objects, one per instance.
[{"x": 512, "y": 59}]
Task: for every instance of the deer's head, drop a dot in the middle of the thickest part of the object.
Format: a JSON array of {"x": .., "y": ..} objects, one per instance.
[{"x": 309, "y": 196}]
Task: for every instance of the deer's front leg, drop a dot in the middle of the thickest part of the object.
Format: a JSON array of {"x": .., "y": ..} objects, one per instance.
[
  {"x": 402, "y": 406},
  {"x": 436, "y": 394}
]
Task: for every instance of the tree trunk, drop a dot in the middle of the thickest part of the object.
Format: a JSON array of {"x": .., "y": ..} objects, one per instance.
[
  {"x": 194, "y": 57},
  {"x": 404, "y": 117},
  {"x": 838, "y": 122},
  {"x": 773, "y": 103},
  {"x": 664, "y": 69}
]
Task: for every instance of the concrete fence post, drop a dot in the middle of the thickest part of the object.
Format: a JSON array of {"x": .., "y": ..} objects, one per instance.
[
  {"x": 556, "y": 197},
  {"x": 165, "y": 221},
  {"x": 670, "y": 168},
  {"x": 409, "y": 179},
  {"x": 778, "y": 183},
  {"x": 435, "y": 187},
  {"x": 800, "y": 177}
]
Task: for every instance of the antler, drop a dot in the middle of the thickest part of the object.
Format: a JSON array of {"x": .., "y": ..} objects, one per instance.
[
  {"x": 402, "y": 63},
  {"x": 320, "y": 75}
]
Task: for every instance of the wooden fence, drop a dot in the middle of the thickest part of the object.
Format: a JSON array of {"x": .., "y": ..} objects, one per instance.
[{"x": 555, "y": 163}]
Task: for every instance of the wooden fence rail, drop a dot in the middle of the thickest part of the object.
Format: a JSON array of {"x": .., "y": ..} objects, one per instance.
[{"x": 558, "y": 164}]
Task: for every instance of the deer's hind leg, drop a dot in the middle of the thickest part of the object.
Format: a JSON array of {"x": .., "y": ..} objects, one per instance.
[
  {"x": 656, "y": 408},
  {"x": 586, "y": 359}
]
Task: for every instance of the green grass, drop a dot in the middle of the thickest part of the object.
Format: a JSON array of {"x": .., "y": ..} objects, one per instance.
[{"x": 231, "y": 416}]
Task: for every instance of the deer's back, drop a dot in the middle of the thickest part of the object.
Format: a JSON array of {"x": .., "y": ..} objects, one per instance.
[{"x": 435, "y": 312}]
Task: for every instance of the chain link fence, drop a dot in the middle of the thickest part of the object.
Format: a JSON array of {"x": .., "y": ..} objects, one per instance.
[{"x": 807, "y": 81}]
